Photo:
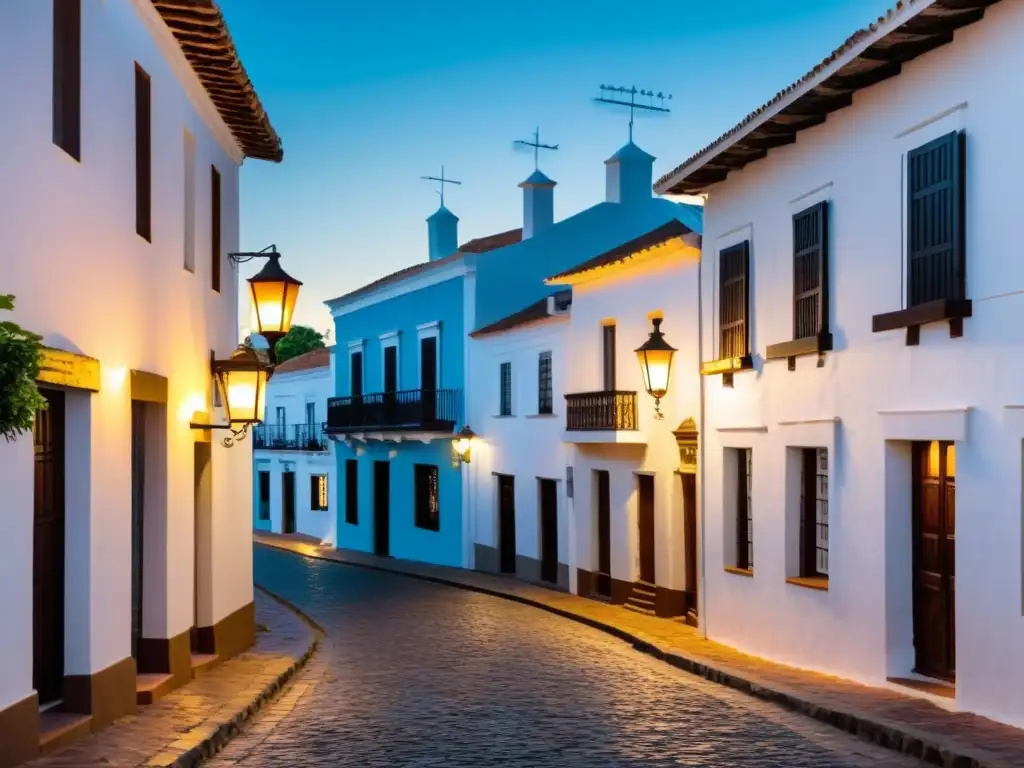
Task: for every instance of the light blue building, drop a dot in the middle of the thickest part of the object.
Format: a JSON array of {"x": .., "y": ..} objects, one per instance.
[{"x": 401, "y": 351}]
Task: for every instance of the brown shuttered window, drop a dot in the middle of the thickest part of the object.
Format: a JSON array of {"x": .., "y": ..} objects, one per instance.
[
  {"x": 935, "y": 220},
  {"x": 814, "y": 512},
  {"x": 428, "y": 503},
  {"x": 352, "y": 491},
  {"x": 734, "y": 301},
  {"x": 810, "y": 272},
  {"x": 67, "y": 76},
  {"x": 143, "y": 155},
  {"x": 215, "y": 254}
]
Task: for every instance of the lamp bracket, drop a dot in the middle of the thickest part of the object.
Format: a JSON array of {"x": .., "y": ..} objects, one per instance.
[
  {"x": 244, "y": 256},
  {"x": 236, "y": 436}
]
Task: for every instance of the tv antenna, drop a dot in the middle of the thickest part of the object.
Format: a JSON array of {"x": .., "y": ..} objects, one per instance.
[
  {"x": 537, "y": 147},
  {"x": 627, "y": 97},
  {"x": 441, "y": 181}
]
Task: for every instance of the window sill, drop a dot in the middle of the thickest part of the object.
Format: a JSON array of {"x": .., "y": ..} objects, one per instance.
[
  {"x": 912, "y": 318},
  {"x": 542, "y": 416},
  {"x": 809, "y": 582},
  {"x": 503, "y": 416},
  {"x": 727, "y": 365},
  {"x": 811, "y": 345},
  {"x": 748, "y": 572}
]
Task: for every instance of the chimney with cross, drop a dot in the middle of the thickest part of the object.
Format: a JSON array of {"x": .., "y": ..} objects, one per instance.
[
  {"x": 442, "y": 225},
  {"x": 538, "y": 192}
]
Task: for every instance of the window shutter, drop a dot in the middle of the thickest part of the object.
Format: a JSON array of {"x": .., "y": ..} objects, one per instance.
[
  {"x": 935, "y": 220},
  {"x": 734, "y": 301},
  {"x": 810, "y": 271},
  {"x": 314, "y": 495}
]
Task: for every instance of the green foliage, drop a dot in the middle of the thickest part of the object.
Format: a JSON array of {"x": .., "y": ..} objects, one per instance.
[
  {"x": 299, "y": 340},
  {"x": 19, "y": 368}
]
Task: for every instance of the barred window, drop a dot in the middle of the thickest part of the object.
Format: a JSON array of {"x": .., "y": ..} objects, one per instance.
[
  {"x": 734, "y": 301},
  {"x": 545, "y": 398},
  {"x": 814, "y": 512},
  {"x": 428, "y": 505},
  {"x": 506, "y": 390},
  {"x": 810, "y": 271}
]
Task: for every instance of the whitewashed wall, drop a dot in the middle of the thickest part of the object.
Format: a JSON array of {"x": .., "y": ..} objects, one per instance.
[
  {"x": 526, "y": 444},
  {"x": 88, "y": 283},
  {"x": 964, "y": 389}
]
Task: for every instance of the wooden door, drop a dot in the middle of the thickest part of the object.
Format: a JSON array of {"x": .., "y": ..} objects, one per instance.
[
  {"x": 645, "y": 523},
  {"x": 934, "y": 559},
  {"x": 690, "y": 540},
  {"x": 288, "y": 502},
  {"x": 382, "y": 508},
  {"x": 48, "y": 551},
  {"x": 603, "y": 582},
  {"x": 548, "y": 531},
  {"x": 138, "y": 516},
  {"x": 428, "y": 378},
  {"x": 507, "y": 523}
]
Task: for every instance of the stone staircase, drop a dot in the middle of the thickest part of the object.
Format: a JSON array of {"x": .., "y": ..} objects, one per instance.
[{"x": 641, "y": 599}]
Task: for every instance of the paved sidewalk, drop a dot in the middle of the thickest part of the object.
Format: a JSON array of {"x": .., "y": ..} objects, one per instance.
[
  {"x": 197, "y": 719},
  {"x": 903, "y": 723}
]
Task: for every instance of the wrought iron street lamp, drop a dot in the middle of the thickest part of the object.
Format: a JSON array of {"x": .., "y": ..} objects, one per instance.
[
  {"x": 241, "y": 383},
  {"x": 462, "y": 446},
  {"x": 655, "y": 358},
  {"x": 273, "y": 292}
]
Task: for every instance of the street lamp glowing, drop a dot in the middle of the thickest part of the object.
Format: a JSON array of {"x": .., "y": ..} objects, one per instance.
[
  {"x": 242, "y": 381},
  {"x": 655, "y": 358},
  {"x": 463, "y": 445},
  {"x": 274, "y": 293}
]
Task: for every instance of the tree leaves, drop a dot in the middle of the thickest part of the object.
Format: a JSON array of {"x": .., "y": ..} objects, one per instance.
[{"x": 19, "y": 368}]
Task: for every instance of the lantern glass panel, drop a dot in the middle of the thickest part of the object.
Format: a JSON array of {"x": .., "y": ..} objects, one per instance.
[
  {"x": 656, "y": 365},
  {"x": 244, "y": 394},
  {"x": 273, "y": 305}
]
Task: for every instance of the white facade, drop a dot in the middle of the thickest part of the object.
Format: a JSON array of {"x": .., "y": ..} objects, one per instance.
[
  {"x": 291, "y": 440},
  {"x": 89, "y": 284},
  {"x": 525, "y": 445},
  {"x": 873, "y": 395}
]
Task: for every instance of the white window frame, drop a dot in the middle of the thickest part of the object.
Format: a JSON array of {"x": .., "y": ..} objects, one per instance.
[
  {"x": 389, "y": 339},
  {"x": 359, "y": 345},
  {"x": 427, "y": 331}
]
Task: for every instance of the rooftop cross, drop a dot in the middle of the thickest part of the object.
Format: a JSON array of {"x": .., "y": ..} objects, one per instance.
[
  {"x": 442, "y": 181},
  {"x": 611, "y": 94},
  {"x": 537, "y": 147}
]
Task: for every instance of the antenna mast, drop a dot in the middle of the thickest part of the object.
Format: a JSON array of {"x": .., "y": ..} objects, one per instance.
[
  {"x": 537, "y": 147},
  {"x": 618, "y": 95},
  {"x": 441, "y": 181}
]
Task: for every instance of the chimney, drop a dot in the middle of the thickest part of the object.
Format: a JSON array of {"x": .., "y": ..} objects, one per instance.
[
  {"x": 629, "y": 175},
  {"x": 442, "y": 233},
  {"x": 538, "y": 204}
]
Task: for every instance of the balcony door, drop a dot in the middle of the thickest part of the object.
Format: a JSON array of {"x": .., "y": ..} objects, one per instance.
[
  {"x": 390, "y": 384},
  {"x": 608, "y": 338},
  {"x": 428, "y": 378}
]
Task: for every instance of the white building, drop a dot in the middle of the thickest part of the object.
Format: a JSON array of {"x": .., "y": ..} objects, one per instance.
[
  {"x": 127, "y": 560},
  {"x": 294, "y": 464},
  {"x": 901, "y": 393}
]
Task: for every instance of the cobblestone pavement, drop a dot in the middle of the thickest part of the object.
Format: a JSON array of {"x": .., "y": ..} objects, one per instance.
[
  {"x": 161, "y": 732},
  {"x": 417, "y": 674}
]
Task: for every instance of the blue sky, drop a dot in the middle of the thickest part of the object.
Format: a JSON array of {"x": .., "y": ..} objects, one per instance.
[{"x": 369, "y": 98}]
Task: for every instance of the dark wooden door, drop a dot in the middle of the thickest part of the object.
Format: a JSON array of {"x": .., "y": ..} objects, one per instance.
[
  {"x": 645, "y": 522},
  {"x": 507, "y": 523},
  {"x": 934, "y": 559},
  {"x": 288, "y": 502},
  {"x": 690, "y": 540},
  {"x": 48, "y": 552},
  {"x": 138, "y": 516},
  {"x": 428, "y": 378},
  {"x": 549, "y": 531},
  {"x": 608, "y": 339},
  {"x": 382, "y": 508},
  {"x": 604, "y": 534}
]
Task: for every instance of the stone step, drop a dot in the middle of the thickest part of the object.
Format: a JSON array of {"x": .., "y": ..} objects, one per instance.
[
  {"x": 203, "y": 663},
  {"x": 150, "y": 687},
  {"x": 58, "y": 729},
  {"x": 638, "y": 609}
]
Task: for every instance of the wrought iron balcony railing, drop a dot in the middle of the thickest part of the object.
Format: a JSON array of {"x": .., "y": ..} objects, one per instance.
[
  {"x": 289, "y": 437},
  {"x": 601, "y": 411},
  {"x": 415, "y": 409}
]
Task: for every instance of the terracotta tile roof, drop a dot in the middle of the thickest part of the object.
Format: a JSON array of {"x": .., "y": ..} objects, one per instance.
[
  {"x": 202, "y": 33},
  {"x": 478, "y": 245},
  {"x": 662, "y": 234},
  {"x": 868, "y": 56},
  {"x": 317, "y": 358},
  {"x": 531, "y": 314}
]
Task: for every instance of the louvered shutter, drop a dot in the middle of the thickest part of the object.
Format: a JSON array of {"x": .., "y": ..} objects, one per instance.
[
  {"x": 935, "y": 220},
  {"x": 810, "y": 271},
  {"x": 734, "y": 300}
]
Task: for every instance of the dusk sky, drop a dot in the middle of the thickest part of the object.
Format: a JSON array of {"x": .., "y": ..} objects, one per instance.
[{"x": 369, "y": 97}]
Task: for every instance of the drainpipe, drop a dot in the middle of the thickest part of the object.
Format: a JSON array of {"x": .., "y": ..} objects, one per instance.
[{"x": 702, "y": 606}]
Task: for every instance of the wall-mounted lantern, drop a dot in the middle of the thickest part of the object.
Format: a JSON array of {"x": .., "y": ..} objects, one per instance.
[
  {"x": 462, "y": 446},
  {"x": 273, "y": 292},
  {"x": 686, "y": 438},
  {"x": 241, "y": 383},
  {"x": 656, "y": 365}
]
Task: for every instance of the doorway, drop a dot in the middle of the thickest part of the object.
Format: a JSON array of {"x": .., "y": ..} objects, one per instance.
[
  {"x": 202, "y": 604},
  {"x": 603, "y": 582},
  {"x": 548, "y": 530},
  {"x": 138, "y": 517},
  {"x": 690, "y": 541},
  {"x": 645, "y": 524},
  {"x": 48, "y": 551},
  {"x": 382, "y": 508},
  {"x": 507, "y": 523},
  {"x": 934, "y": 511},
  {"x": 288, "y": 502}
]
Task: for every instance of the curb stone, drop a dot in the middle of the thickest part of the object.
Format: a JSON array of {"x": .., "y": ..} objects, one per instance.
[
  {"x": 218, "y": 738},
  {"x": 902, "y": 739}
]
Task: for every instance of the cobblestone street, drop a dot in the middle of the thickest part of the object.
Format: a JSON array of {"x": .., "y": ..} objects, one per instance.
[{"x": 416, "y": 674}]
